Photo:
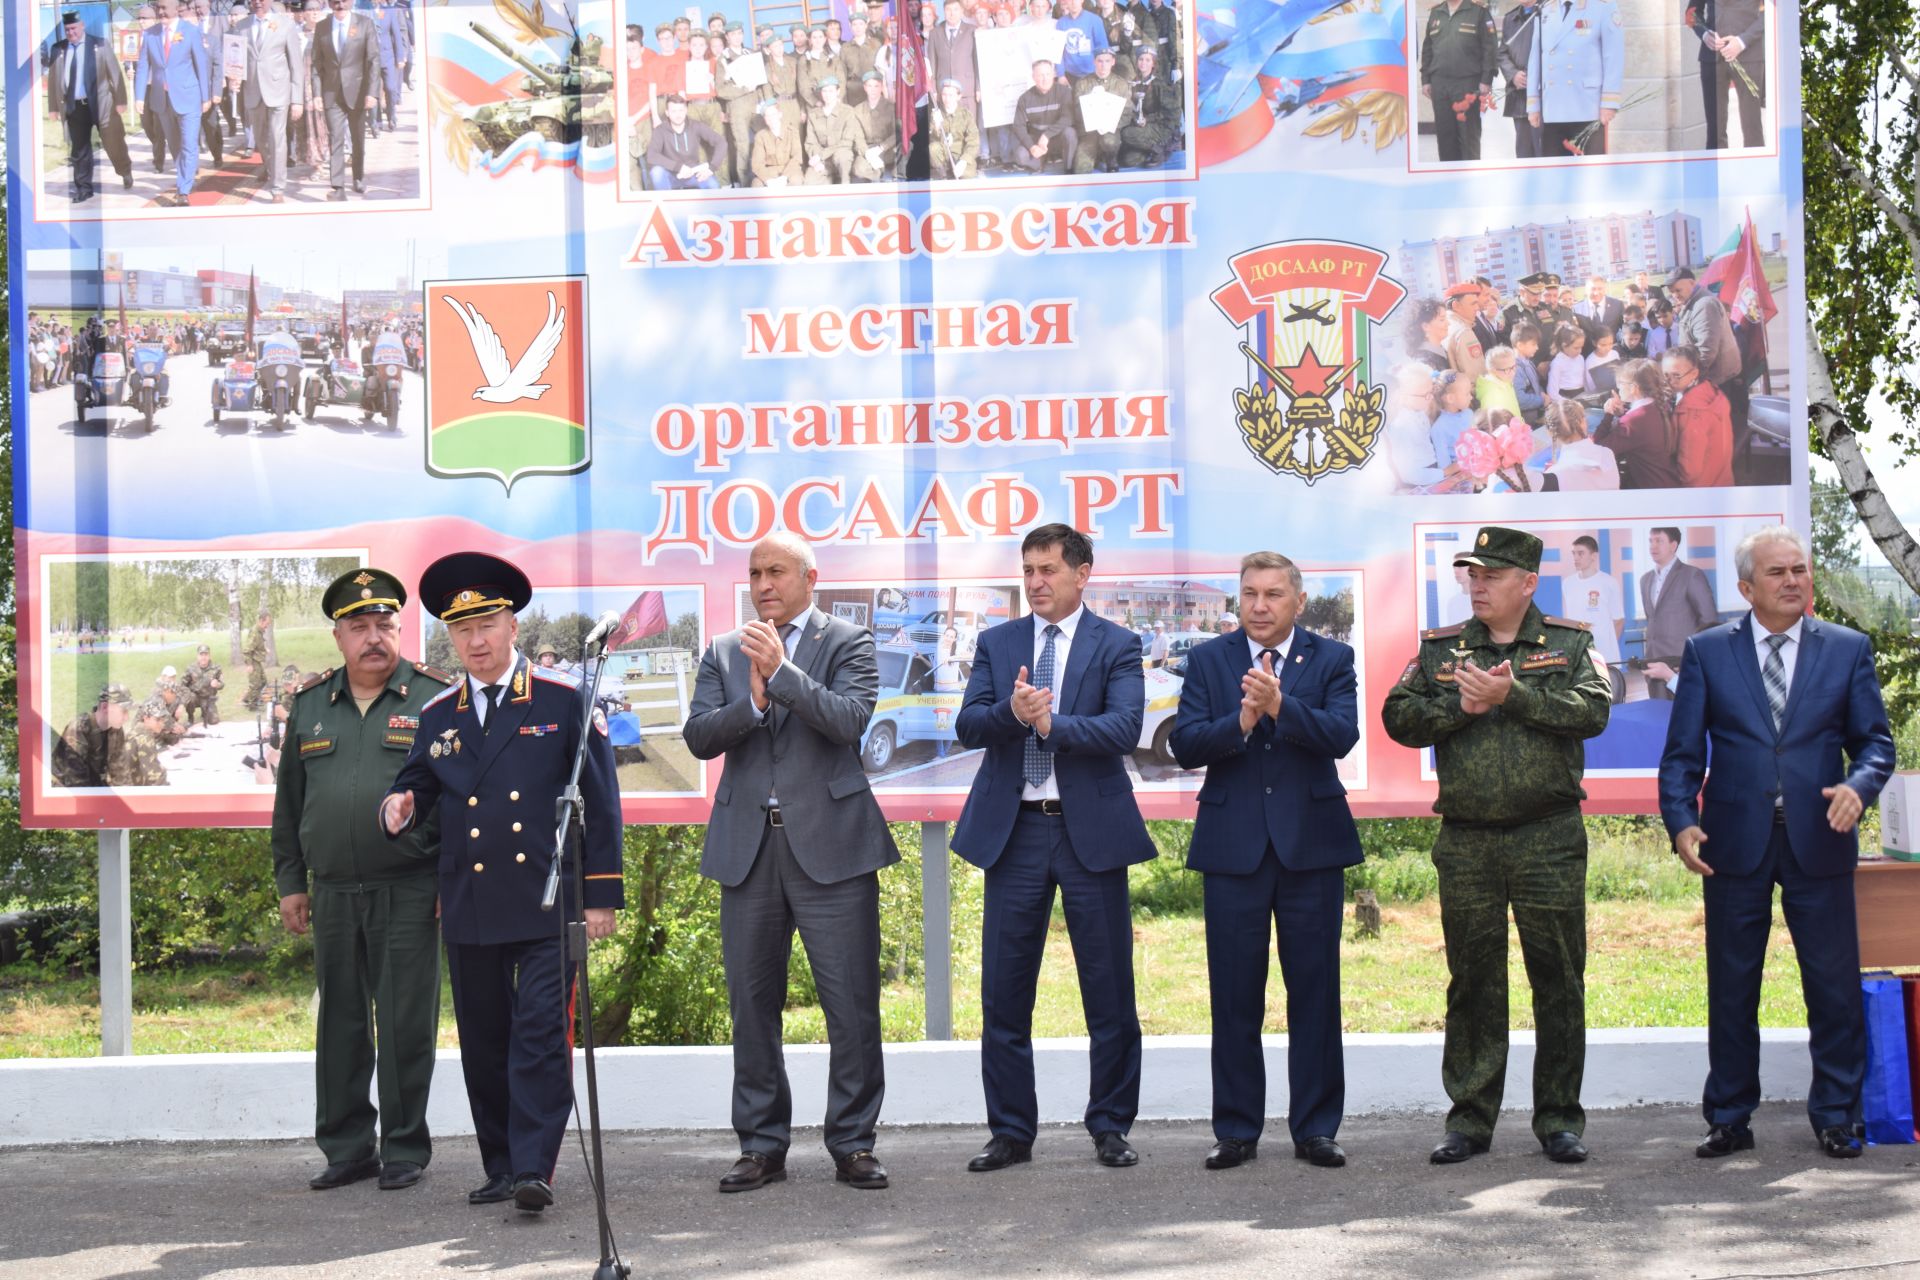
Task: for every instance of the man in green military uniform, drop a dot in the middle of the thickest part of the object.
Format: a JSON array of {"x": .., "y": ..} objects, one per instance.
[
  {"x": 83, "y": 754},
  {"x": 1100, "y": 150},
  {"x": 138, "y": 764},
  {"x": 202, "y": 685},
  {"x": 1457, "y": 56},
  {"x": 254, "y": 651},
  {"x": 879, "y": 129},
  {"x": 169, "y": 697},
  {"x": 953, "y": 151},
  {"x": 371, "y": 903},
  {"x": 833, "y": 137},
  {"x": 1506, "y": 700}
]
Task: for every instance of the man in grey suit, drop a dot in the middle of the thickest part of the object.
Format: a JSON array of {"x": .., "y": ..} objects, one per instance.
[
  {"x": 796, "y": 838},
  {"x": 275, "y": 84},
  {"x": 346, "y": 59},
  {"x": 85, "y": 91},
  {"x": 1677, "y": 602}
]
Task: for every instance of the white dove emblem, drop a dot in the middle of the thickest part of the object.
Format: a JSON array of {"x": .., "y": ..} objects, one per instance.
[{"x": 506, "y": 384}]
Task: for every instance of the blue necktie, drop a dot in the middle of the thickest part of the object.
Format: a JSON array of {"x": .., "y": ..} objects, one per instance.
[{"x": 1036, "y": 764}]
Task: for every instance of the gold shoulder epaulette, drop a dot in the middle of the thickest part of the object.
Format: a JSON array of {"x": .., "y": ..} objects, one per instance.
[
  {"x": 1443, "y": 633},
  {"x": 1574, "y": 623},
  {"x": 435, "y": 673},
  {"x": 315, "y": 679}
]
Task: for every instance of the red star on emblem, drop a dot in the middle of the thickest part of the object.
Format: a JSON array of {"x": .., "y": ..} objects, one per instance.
[{"x": 1310, "y": 376}]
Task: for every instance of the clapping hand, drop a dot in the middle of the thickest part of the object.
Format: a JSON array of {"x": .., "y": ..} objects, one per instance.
[
  {"x": 1259, "y": 695},
  {"x": 1032, "y": 706},
  {"x": 763, "y": 648},
  {"x": 1481, "y": 690}
]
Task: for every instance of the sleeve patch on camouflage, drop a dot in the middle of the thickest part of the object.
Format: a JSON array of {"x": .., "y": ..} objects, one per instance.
[
  {"x": 1408, "y": 677},
  {"x": 1599, "y": 663}
]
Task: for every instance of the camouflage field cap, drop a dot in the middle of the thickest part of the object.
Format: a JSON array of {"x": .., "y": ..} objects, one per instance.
[{"x": 1495, "y": 547}]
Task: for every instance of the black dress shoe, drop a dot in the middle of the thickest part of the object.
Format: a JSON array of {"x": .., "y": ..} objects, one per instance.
[
  {"x": 1231, "y": 1153},
  {"x": 1565, "y": 1147},
  {"x": 861, "y": 1171},
  {"x": 1456, "y": 1147},
  {"x": 1838, "y": 1141},
  {"x": 1114, "y": 1151},
  {"x": 753, "y": 1170},
  {"x": 398, "y": 1174},
  {"x": 1324, "y": 1152},
  {"x": 999, "y": 1153},
  {"x": 499, "y": 1187},
  {"x": 531, "y": 1193},
  {"x": 1724, "y": 1140},
  {"x": 344, "y": 1173}
]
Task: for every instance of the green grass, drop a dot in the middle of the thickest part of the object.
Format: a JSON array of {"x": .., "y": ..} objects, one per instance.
[
  {"x": 507, "y": 442},
  {"x": 77, "y": 678}
]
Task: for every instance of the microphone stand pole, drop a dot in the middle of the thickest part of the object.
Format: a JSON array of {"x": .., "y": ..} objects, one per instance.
[{"x": 569, "y": 819}]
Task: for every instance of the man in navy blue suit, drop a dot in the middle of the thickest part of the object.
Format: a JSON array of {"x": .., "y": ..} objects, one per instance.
[
  {"x": 1777, "y": 697},
  {"x": 1266, "y": 710},
  {"x": 1056, "y": 698},
  {"x": 493, "y": 752}
]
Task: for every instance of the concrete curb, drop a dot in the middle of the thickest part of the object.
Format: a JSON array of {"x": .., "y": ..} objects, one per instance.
[{"x": 209, "y": 1097}]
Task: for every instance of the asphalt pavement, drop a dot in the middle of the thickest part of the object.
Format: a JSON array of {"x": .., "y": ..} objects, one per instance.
[{"x": 1644, "y": 1206}]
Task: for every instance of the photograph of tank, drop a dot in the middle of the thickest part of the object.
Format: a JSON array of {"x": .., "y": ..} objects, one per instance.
[{"x": 177, "y": 670}]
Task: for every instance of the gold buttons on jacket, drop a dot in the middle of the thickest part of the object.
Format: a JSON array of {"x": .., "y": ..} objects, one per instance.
[
  {"x": 474, "y": 834},
  {"x": 516, "y": 826},
  {"x": 519, "y": 857},
  {"x": 479, "y": 866},
  {"x": 513, "y": 795},
  {"x": 472, "y": 801}
]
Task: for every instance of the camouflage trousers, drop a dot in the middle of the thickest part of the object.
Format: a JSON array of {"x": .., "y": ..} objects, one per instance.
[
  {"x": 256, "y": 684},
  {"x": 1540, "y": 870}
]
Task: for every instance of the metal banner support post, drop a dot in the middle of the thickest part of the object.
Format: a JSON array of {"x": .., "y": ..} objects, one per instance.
[
  {"x": 936, "y": 929},
  {"x": 116, "y": 944}
]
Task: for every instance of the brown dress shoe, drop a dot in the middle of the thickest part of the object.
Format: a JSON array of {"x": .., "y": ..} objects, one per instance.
[
  {"x": 753, "y": 1170},
  {"x": 861, "y": 1171}
]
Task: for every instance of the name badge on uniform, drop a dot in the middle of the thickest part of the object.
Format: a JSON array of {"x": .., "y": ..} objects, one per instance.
[
  {"x": 1544, "y": 661},
  {"x": 310, "y": 745}
]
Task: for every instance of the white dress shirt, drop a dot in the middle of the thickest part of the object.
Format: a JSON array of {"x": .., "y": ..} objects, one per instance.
[
  {"x": 482, "y": 702},
  {"x": 1062, "y": 645},
  {"x": 1789, "y": 652}
]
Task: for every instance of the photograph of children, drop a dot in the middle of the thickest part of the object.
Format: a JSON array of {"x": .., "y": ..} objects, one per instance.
[
  {"x": 924, "y": 638},
  {"x": 999, "y": 89},
  {"x": 646, "y": 684},
  {"x": 1554, "y": 81},
  {"x": 177, "y": 670},
  {"x": 225, "y": 107},
  {"x": 1611, "y": 351},
  {"x": 1642, "y": 587}
]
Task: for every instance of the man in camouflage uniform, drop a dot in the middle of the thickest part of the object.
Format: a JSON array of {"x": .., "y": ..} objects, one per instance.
[
  {"x": 1150, "y": 126},
  {"x": 168, "y": 696},
  {"x": 203, "y": 684},
  {"x": 879, "y": 154},
  {"x": 1100, "y": 150},
  {"x": 833, "y": 137},
  {"x": 85, "y": 753},
  {"x": 1506, "y": 700},
  {"x": 254, "y": 651},
  {"x": 139, "y": 764},
  {"x": 1457, "y": 56},
  {"x": 953, "y": 150}
]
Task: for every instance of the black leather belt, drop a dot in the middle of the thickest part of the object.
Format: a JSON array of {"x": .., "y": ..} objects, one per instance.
[
  {"x": 773, "y": 816},
  {"x": 1779, "y": 815},
  {"x": 1049, "y": 807}
]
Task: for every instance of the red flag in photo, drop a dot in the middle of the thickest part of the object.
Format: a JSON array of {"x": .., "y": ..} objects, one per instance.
[
  {"x": 1740, "y": 281},
  {"x": 646, "y": 616},
  {"x": 909, "y": 69}
]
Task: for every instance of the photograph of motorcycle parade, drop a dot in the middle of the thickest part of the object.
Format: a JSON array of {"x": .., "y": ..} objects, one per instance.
[
  {"x": 646, "y": 688},
  {"x": 127, "y": 345},
  {"x": 925, "y": 636},
  {"x": 179, "y": 671},
  {"x": 276, "y": 124}
]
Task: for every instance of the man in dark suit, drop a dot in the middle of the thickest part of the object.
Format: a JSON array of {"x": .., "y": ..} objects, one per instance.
[
  {"x": 1677, "y": 602},
  {"x": 950, "y": 45},
  {"x": 796, "y": 839},
  {"x": 1732, "y": 33},
  {"x": 1519, "y": 28},
  {"x": 494, "y": 752},
  {"x": 1776, "y": 697},
  {"x": 1052, "y": 805},
  {"x": 86, "y": 91},
  {"x": 1597, "y": 312},
  {"x": 346, "y": 59},
  {"x": 1266, "y": 710}
]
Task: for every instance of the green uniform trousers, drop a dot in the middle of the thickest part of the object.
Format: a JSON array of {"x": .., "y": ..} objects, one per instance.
[
  {"x": 376, "y": 956},
  {"x": 1540, "y": 869}
]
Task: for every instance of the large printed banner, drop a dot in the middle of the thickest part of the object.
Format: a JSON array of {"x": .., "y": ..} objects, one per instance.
[{"x": 615, "y": 288}]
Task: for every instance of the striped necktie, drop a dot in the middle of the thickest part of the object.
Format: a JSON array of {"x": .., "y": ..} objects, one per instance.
[
  {"x": 1774, "y": 675},
  {"x": 1035, "y": 764}
]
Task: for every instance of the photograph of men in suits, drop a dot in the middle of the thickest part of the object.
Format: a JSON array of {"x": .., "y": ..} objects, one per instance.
[
  {"x": 346, "y": 54},
  {"x": 1266, "y": 710},
  {"x": 1677, "y": 602},
  {"x": 1732, "y": 32},
  {"x": 274, "y": 88},
  {"x": 174, "y": 58},
  {"x": 85, "y": 92},
  {"x": 796, "y": 840},
  {"x": 1773, "y": 700},
  {"x": 1056, "y": 700},
  {"x": 1597, "y": 312}
]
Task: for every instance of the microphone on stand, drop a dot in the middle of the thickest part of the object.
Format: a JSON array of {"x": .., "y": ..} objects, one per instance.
[{"x": 597, "y": 638}]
